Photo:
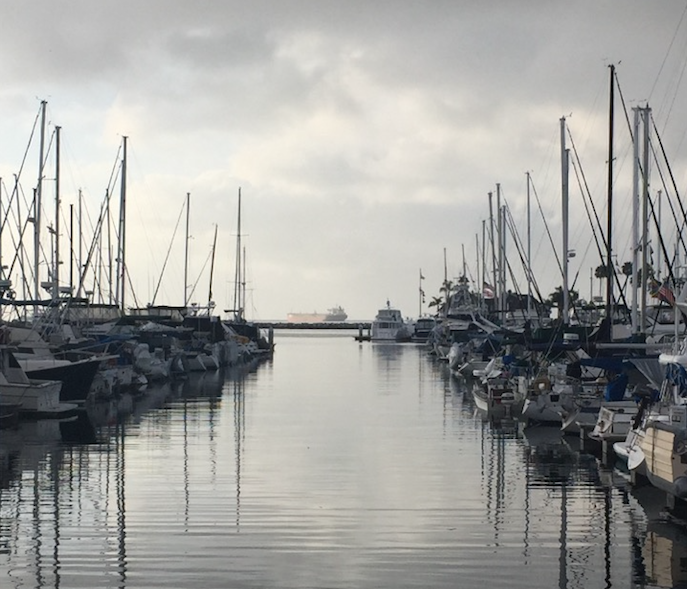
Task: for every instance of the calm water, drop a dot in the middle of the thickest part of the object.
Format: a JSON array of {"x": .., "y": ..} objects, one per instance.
[{"x": 336, "y": 464}]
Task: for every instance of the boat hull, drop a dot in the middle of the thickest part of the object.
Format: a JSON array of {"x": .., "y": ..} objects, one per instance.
[
  {"x": 36, "y": 398},
  {"x": 663, "y": 447},
  {"x": 76, "y": 377}
]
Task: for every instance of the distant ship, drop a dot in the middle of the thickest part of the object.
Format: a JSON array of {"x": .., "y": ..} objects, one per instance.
[{"x": 333, "y": 315}]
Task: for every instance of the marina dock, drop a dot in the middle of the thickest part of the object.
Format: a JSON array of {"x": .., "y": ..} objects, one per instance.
[{"x": 364, "y": 325}]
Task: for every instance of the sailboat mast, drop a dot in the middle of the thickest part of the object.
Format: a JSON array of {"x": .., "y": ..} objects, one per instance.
[
  {"x": 212, "y": 269},
  {"x": 564, "y": 200},
  {"x": 237, "y": 277},
  {"x": 493, "y": 249},
  {"x": 71, "y": 250},
  {"x": 56, "y": 268},
  {"x": 646, "y": 113},
  {"x": 637, "y": 324},
  {"x": 80, "y": 261},
  {"x": 121, "y": 275},
  {"x": 37, "y": 210},
  {"x": 529, "y": 251},
  {"x": 110, "y": 291},
  {"x": 484, "y": 263},
  {"x": 480, "y": 285},
  {"x": 188, "y": 206},
  {"x": 243, "y": 284},
  {"x": 609, "y": 226},
  {"x": 500, "y": 245}
]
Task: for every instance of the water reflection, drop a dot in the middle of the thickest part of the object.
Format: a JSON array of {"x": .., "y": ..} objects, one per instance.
[
  {"x": 63, "y": 483},
  {"x": 294, "y": 478},
  {"x": 588, "y": 500},
  {"x": 663, "y": 555}
]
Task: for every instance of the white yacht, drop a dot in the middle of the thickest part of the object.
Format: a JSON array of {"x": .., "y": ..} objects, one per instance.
[{"x": 389, "y": 326}]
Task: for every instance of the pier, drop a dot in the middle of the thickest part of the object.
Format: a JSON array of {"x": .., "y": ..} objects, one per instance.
[{"x": 364, "y": 325}]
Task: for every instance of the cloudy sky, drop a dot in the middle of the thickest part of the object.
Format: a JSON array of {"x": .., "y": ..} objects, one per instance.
[{"x": 364, "y": 136}]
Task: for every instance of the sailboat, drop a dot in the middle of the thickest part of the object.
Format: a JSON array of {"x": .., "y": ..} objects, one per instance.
[{"x": 251, "y": 341}]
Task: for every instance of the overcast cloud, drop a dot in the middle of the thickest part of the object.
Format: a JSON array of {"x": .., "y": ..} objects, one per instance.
[{"x": 365, "y": 136}]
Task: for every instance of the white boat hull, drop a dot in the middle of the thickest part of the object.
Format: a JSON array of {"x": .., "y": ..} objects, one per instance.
[{"x": 35, "y": 396}]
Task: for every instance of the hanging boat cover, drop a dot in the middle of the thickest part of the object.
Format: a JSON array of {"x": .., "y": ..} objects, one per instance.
[{"x": 615, "y": 390}]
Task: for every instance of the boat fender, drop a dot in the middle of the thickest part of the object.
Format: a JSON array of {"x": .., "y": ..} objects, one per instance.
[
  {"x": 680, "y": 443},
  {"x": 680, "y": 487},
  {"x": 603, "y": 426}
]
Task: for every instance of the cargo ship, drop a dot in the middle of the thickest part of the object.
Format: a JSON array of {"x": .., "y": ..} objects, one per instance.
[{"x": 333, "y": 315}]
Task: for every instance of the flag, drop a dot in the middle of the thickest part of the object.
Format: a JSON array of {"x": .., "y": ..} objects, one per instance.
[
  {"x": 666, "y": 294},
  {"x": 421, "y": 276},
  {"x": 488, "y": 291},
  {"x": 661, "y": 291}
]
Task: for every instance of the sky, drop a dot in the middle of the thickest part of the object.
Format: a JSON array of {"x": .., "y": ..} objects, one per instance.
[{"x": 365, "y": 138}]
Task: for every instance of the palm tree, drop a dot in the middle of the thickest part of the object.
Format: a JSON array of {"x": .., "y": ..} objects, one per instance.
[
  {"x": 437, "y": 302},
  {"x": 446, "y": 288},
  {"x": 556, "y": 298}
]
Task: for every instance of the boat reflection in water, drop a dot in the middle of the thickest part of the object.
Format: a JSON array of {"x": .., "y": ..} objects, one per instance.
[
  {"x": 63, "y": 483},
  {"x": 663, "y": 555},
  {"x": 659, "y": 541},
  {"x": 371, "y": 469}
]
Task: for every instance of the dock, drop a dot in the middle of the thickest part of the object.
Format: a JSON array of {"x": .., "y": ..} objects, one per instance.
[
  {"x": 358, "y": 325},
  {"x": 363, "y": 328}
]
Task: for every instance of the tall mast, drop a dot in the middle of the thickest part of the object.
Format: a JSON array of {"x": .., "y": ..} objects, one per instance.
[
  {"x": 56, "y": 268},
  {"x": 121, "y": 259},
  {"x": 37, "y": 210},
  {"x": 238, "y": 314},
  {"x": 637, "y": 325},
  {"x": 80, "y": 260},
  {"x": 188, "y": 206},
  {"x": 484, "y": 263},
  {"x": 71, "y": 250},
  {"x": 110, "y": 291},
  {"x": 480, "y": 286},
  {"x": 420, "y": 294},
  {"x": 504, "y": 259},
  {"x": 212, "y": 270},
  {"x": 529, "y": 252},
  {"x": 243, "y": 284},
  {"x": 659, "y": 261},
  {"x": 564, "y": 200},
  {"x": 447, "y": 293},
  {"x": 493, "y": 249},
  {"x": 609, "y": 227},
  {"x": 499, "y": 242},
  {"x": 645, "y": 212}
]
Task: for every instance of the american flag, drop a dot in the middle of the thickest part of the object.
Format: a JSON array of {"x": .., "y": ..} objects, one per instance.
[
  {"x": 661, "y": 291},
  {"x": 666, "y": 294}
]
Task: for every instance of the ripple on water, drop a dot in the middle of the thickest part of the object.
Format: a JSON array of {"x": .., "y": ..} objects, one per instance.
[{"x": 337, "y": 464}]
